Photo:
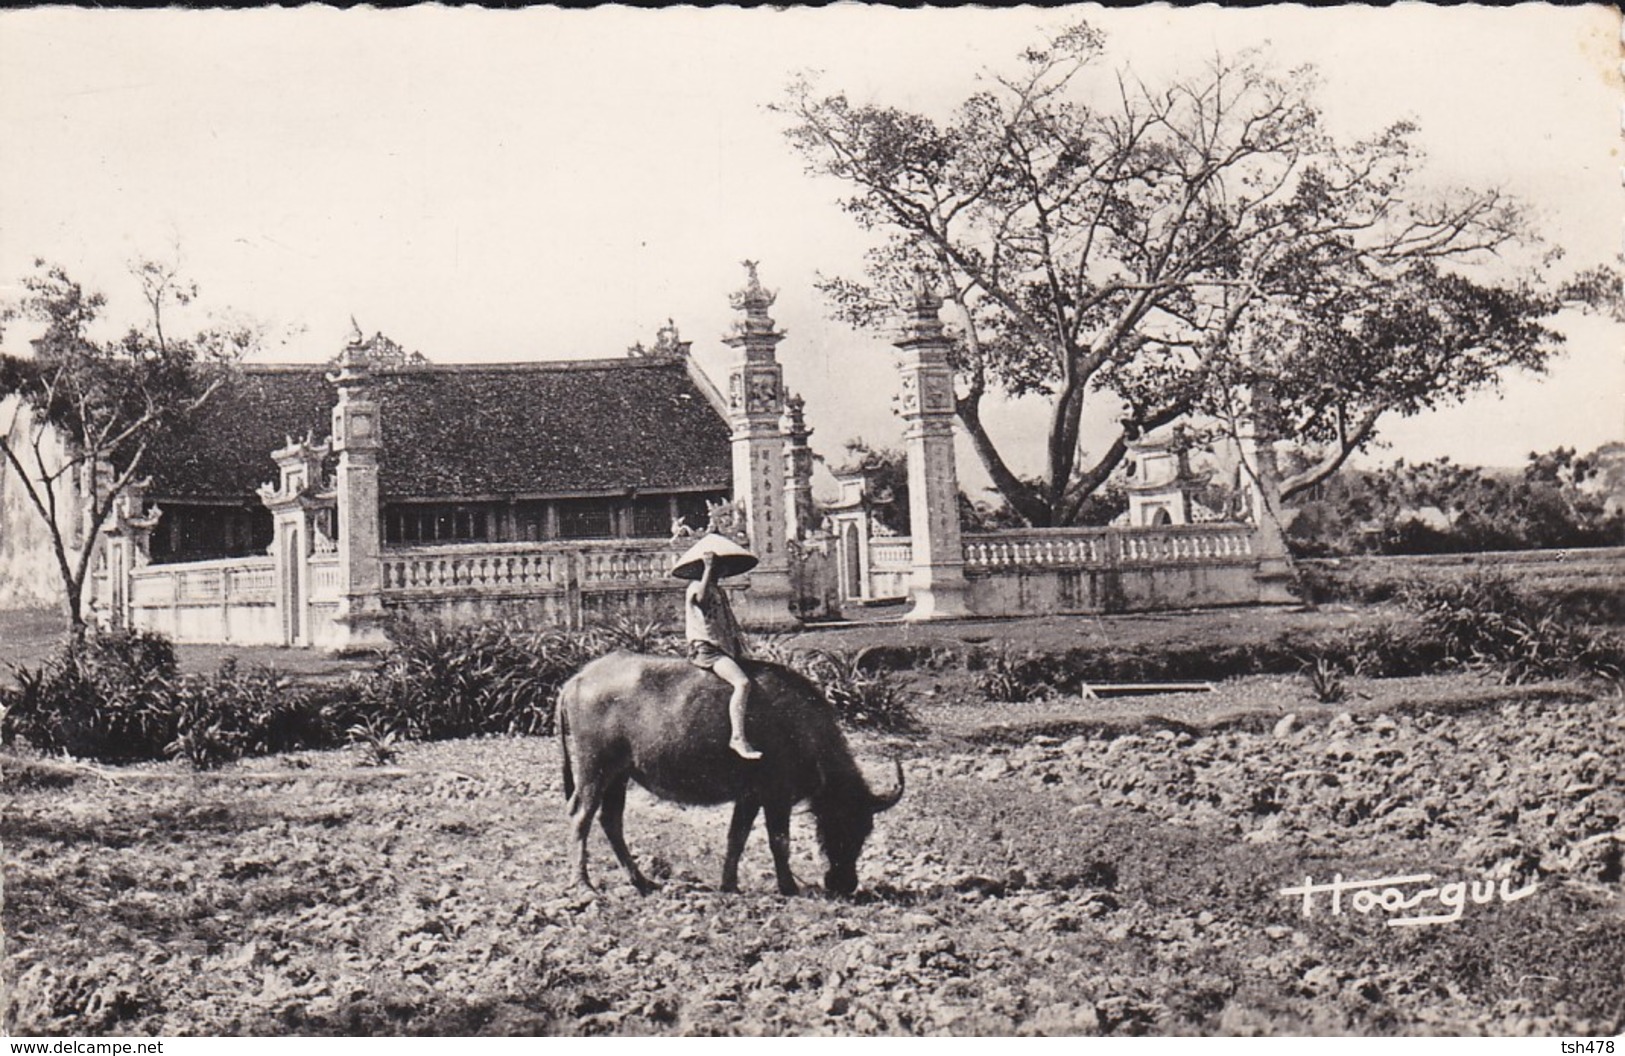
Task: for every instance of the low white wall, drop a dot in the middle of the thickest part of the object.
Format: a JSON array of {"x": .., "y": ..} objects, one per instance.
[
  {"x": 1032, "y": 592},
  {"x": 29, "y": 576},
  {"x": 564, "y": 584},
  {"x": 1036, "y": 571},
  {"x": 230, "y": 602},
  {"x": 241, "y": 624},
  {"x": 557, "y": 608}
]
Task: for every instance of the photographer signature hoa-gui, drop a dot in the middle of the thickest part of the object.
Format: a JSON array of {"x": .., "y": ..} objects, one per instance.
[{"x": 1453, "y": 897}]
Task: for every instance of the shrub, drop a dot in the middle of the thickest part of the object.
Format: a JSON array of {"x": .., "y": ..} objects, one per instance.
[
  {"x": 208, "y": 732},
  {"x": 106, "y": 696},
  {"x": 377, "y": 739},
  {"x": 1005, "y": 676},
  {"x": 1315, "y": 583},
  {"x": 247, "y": 710},
  {"x": 626, "y": 631},
  {"x": 1392, "y": 649},
  {"x": 1589, "y": 603},
  {"x": 439, "y": 681},
  {"x": 1325, "y": 680},
  {"x": 1483, "y": 620},
  {"x": 861, "y": 697},
  {"x": 775, "y": 649}
]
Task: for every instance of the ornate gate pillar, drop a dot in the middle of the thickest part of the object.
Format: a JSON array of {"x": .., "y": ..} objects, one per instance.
[
  {"x": 801, "y": 518},
  {"x": 359, "y": 622},
  {"x": 926, "y": 403},
  {"x": 1262, "y": 487},
  {"x": 127, "y": 546},
  {"x": 292, "y": 501},
  {"x": 755, "y": 407}
]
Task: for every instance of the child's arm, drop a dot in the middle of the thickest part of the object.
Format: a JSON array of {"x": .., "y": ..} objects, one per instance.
[{"x": 707, "y": 579}]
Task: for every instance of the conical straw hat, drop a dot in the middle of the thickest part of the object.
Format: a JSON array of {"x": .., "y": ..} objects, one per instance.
[{"x": 731, "y": 558}]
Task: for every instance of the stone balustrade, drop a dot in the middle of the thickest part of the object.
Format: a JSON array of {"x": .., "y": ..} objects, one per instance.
[
  {"x": 573, "y": 583},
  {"x": 230, "y": 600},
  {"x": 891, "y": 552},
  {"x": 1036, "y": 548},
  {"x": 458, "y": 568},
  {"x": 566, "y": 583},
  {"x": 152, "y": 585},
  {"x": 250, "y": 581},
  {"x": 324, "y": 578},
  {"x": 254, "y": 582},
  {"x": 1014, "y": 573},
  {"x": 1045, "y": 548},
  {"x": 525, "y": 568},
  {"x": 623, "y": 564},
  {"x": 1185, "y": 543}
]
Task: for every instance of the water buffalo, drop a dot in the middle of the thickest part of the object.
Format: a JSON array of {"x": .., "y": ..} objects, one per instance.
[{"x": 663, "y": 723}]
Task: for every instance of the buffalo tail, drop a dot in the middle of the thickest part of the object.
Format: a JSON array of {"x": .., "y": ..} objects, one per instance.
[{"x": 564, "y": 738}]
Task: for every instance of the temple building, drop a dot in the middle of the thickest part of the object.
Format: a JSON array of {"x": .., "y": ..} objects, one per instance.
[{"x": 510, "y": 452}]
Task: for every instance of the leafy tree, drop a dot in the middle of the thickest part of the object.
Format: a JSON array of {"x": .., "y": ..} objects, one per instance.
[
  {"x": 1326, "y": 369},
  {"x": 104, "y": 401},
  {"x": 1199, "y": 247},
  {"x": 886, "y": 489},
  {"x": 887, "y": 493},
  {"x": 1547, "y": 505},
  {"x": 1600, "y": 289},
  {"x": 981, "y": 515}
]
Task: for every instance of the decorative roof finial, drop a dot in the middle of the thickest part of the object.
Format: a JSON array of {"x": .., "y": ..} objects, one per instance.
[
  {"x": 922, "y": 319},
  {"x": 668, "y": 341},
  {"x": 753, "y": 299},
  {"x": 756, "y": 331},
  {"x": 353, "y": 362},
  {"x": 921, "y": 294},
  {"x": 795, "y": 418}
]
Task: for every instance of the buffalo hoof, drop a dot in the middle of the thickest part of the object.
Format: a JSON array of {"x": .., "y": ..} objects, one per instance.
[
  {"x": 645, "y": 886},
  {"x": 789, "y": 887}
]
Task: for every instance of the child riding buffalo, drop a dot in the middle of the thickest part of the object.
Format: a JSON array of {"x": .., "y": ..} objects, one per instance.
[{"x": 714, "y": 639}]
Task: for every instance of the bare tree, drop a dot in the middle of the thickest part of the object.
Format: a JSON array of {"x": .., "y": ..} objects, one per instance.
[{"x": 101, "y": 403}]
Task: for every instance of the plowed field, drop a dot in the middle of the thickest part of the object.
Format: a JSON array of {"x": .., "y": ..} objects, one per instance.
[{"x": 1120, "y": 880}]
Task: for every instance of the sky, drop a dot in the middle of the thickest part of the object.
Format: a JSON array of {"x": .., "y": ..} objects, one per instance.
[{"x": 546, "y": 184}]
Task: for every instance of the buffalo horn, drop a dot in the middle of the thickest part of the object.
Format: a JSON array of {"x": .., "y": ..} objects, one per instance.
[{"x": 889, "y": 799}]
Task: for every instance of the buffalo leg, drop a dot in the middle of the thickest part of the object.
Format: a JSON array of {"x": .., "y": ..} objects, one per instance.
[
  {"x": 613, "y": 811},
  {"x": 738, "y": 832},
  {"x": 583, "y": 808},
  {"x": 778, "y": 840}
]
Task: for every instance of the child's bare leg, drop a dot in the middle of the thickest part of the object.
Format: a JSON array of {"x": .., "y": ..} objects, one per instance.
[{"x": 736, "y": 677}]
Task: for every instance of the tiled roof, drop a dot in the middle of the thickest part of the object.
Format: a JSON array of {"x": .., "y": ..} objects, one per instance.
[{"x": 469, "y": 431}]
